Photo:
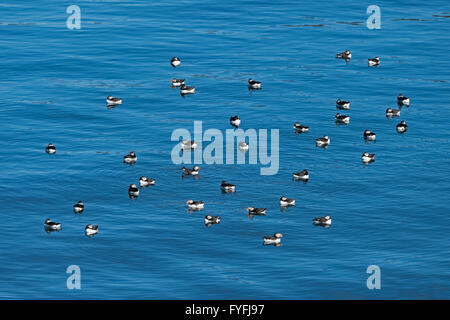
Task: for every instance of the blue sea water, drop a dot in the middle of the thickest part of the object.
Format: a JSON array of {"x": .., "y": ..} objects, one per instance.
[{"x": 392, "y": 213}]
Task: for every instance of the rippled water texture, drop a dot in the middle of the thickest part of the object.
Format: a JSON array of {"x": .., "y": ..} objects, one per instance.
[{"x": 392, "y": 213}]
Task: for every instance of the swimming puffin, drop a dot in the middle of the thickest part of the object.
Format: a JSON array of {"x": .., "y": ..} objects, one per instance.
[
  {"x": 90, "y": 229},
  {"x": 243, "y": 146},
  {"x": 341, "y": 104},
  {"x": 301, "y": 175},
  {"x": 402, "y": 100},
  {"x": 195, "y": 205},
  {"x": 177, "y": 82},
  {"x": 344, "y": 55},
  {"x": 368, "y": 157},
  {"x": 286, "y": 202},
  {"x": 144, "y": 181},
  {"x": 191, "y": 172},
  {"x": 256, "y": 211},
  {"x": 299, "y": 128},
  {"x": 209, "y": 220},
  {"x": 78, "y": 207},
  {"x": 133, "y": 191},
  {"x": 253, "y": 84},
  {"x": 322, "y": 220},
  {"x": 130, "y": 158},
  {"x": 369, "y": 135},
  {"x": 235, "y": 121},
  {"x": 392, "y": 113},
  {"x": 275, "y": 239},
  {"x": 186, "y": 89},
  {"x": 323, "y": 142},
  {"x": 342, "y": 118},
  {"x": 52, "y": 225},
  {"x": 175, "y": 62},
  {"x": 186, "y": 145},
  {"x": 50, "y": 149},
  {"x": 112, "y": 101},
  {"x": 374, "y": 62},
  {"x": 227, "y": 187},
  {"x": 402, "y": 127}
]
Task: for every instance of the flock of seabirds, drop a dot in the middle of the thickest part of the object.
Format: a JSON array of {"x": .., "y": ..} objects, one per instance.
[{"x": 235, "y": 121}]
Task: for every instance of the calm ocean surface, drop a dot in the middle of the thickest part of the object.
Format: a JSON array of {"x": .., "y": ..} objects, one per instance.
[{"x": 392, "y": 213}]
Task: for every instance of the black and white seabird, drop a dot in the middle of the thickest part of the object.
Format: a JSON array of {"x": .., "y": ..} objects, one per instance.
[
  {"x": 90, "y": 229},
  {"x": 144, "y": 181},
  {"x": 275, "y": 239},
  {"x": 235, "y": 121},
  {"x": 374, "y": 62},
  {"x": 243, "y": 146},
  {"x": 209, "y": 220},
  {"x": 301, "y": 175},
  {"x": 112, "y": 101},
  {"x": 368, "y": 157},
  {"x": 342, "y": 118},
  {"x": 175, "y": 62},
  {"x": 78, "y": 207},
  {"x": 369, "y": 135},
  {"x": 341, "y": 104},
  {"x": 402, "y": 127},
  {"x": 322, "y": 220},
  {"x": 52, "y": 225},
  {"x": 130, "y": 158},
  {"x": 187, "y": 145},
  {"x": 177, "y": 82},
  {"x": 186, "y": 89},
  {"x": 191, "y": 172},
  {"x": 392, "y": 112},
  {"x": 195, "y": 205},
  {"x": 133, "y": 191},
  {"x": 50, "y": 149},
  {"x": 256, "y": 211},
  {"x": 323, "y": 142},
  {"x": 299, "y": 128},
  {"x": 344, "y": 55},
  {"x": 253, "y": 84},
  {"x": 402, "y": 100},
  {"x": 227, "y": 187},
  {"x": 286, "y": 202}
]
